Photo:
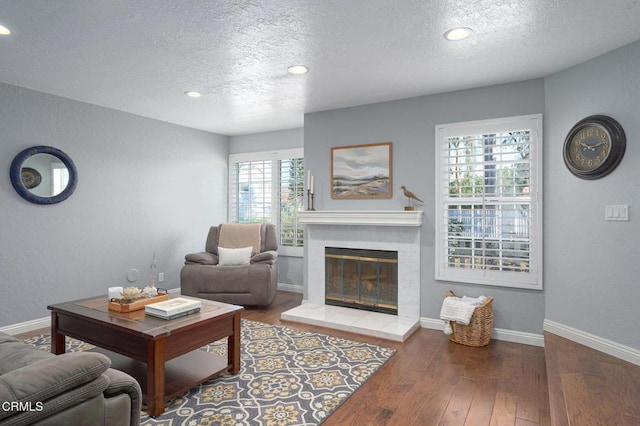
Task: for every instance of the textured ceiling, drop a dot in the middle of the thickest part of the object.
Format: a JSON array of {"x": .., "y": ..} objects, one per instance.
[{"x": 140, "y": 56}]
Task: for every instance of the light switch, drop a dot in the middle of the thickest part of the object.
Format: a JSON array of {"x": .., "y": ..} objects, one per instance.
[{"x": 617, "y": 212}]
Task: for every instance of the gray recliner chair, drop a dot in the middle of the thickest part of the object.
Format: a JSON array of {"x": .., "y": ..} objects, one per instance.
[{"x": 229, "y": 271}]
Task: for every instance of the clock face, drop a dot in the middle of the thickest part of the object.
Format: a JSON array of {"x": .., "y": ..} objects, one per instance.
[
  {"x": 590, "y": 147},
  {"x": 594, "y": 147}
]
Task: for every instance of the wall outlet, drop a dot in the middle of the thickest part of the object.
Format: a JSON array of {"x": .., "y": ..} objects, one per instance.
[{"x": 161, "y": 277}]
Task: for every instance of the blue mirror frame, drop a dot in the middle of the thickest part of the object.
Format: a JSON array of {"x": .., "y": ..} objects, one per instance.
[{"x": 15, "y": 174}]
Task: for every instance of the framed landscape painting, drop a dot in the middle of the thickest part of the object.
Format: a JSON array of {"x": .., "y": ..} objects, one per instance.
[{"x": 362, "y": 171}]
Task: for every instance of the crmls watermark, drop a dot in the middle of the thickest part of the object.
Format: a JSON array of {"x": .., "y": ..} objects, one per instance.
[{"x": 22, "y": 406}]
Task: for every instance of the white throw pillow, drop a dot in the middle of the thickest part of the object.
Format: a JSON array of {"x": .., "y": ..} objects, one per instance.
[{"x": 234, "y": 257}]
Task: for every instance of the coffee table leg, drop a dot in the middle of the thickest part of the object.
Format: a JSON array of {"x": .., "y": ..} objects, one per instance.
[
  {"x": 155, "y": 378},
  {"x": 57, "y": 340},
  {"x": 233, "y": 346}
]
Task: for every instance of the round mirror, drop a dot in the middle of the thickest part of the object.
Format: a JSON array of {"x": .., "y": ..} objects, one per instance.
[{"x": 43, "y": 175}]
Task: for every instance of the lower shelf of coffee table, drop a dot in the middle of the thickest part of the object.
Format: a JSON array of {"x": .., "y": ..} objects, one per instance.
[{"x": 180, "y": 374}]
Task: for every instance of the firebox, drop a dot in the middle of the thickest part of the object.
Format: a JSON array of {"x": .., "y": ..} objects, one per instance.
[{"x": 362, "y": 279}]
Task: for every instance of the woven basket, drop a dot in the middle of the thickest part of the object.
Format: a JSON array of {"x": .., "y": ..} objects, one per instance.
[{"x": 478, "y": 332}]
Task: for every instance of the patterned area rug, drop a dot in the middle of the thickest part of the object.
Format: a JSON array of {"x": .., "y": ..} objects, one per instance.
[{"x": 287, "y": 377}]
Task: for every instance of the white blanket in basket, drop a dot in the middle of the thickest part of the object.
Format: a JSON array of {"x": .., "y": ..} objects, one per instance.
[{"x": 455, "y": 309}]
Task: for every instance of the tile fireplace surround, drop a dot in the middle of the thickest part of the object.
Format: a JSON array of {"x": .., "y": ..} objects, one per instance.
[{"x": 378, "y": 230}]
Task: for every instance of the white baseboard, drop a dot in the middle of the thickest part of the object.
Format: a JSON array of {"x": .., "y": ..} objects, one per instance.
[
  {"x": 617, "y": 350},
  {"x": 592, "y": 341},
  {"x": 27, "y": 326},
  {"x": 291, "y": 288},
  {"x": 497, "y": 334},
  {"x": 518, "y": 337}
]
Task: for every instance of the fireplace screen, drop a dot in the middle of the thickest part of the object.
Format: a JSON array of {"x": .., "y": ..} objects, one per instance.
[{"x": 363, "y": 279}]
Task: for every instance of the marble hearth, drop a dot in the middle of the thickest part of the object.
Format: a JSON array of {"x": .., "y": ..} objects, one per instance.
[{"x": 378, "y": 230}]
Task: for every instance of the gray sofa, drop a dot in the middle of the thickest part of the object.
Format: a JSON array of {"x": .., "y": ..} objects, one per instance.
[
  {"x": 76, "y": 388},
  {"x": 253, "y": 283}
]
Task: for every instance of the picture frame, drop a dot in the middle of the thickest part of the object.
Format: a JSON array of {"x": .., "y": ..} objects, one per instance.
[{"x": 362, "y": 171}]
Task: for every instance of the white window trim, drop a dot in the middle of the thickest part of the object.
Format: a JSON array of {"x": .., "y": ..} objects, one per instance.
[
  {"x": 283, "y": 154},
  {"x": 534, "y": 278}
]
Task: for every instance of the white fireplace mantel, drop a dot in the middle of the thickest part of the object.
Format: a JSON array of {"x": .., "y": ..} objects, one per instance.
[{"x": 361, "y": 217}]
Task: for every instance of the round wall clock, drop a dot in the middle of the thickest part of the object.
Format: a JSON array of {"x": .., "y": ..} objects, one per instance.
[{"x": 594, "y": 147}]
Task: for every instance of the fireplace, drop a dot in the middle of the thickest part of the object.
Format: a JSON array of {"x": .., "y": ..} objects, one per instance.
[
  {"x": 383, "y": 230},
  {"x": 362, "y": 279}
]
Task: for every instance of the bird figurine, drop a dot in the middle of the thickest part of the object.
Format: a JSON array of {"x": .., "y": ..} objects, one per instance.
[{"x": 410, "y": 196}]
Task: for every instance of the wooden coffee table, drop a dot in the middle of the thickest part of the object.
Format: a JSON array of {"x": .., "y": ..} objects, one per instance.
[{"x": 161, "y": 354}]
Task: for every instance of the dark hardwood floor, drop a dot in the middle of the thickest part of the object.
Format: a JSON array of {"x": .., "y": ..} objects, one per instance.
[
  {"x": 588, "y": 387},
  {"x": 431, "y": 381}
]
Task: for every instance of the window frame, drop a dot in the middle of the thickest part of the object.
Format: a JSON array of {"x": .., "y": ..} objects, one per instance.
[
  {"x": 274, "y": 157},
  {"x": 533, "y": 277}
]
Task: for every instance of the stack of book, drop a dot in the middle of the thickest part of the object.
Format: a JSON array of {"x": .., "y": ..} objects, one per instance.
[{"x": 173, "y": 308}]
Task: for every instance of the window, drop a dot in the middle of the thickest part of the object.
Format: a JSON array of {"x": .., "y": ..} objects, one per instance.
[
  {"x": 269, "y": 187},
  {"x": 291, "y": 202},
  {"x": 489, "y": 202}
]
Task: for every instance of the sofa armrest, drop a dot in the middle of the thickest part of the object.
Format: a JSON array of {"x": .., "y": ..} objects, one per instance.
[
  {"x": 269, "y": 257},
  {"x": 48, "y": 378},
  {"x": 122, "y": 383},
  {"x": 203, "y": 258}
]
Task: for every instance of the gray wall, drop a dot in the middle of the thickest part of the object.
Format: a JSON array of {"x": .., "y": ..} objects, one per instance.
[
  {"x": 267, "y": 141},
  {"x": 591, "y": 265},
  {"x": 410, "y": 125},
  {"x": 289, "y": 267},
  {"x": 144, "y": 186}
]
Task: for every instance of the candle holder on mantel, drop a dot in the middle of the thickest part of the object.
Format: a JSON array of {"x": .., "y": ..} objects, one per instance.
[{"x": 310, "y": 196}]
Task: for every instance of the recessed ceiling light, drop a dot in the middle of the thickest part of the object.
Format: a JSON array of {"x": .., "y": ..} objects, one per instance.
[
  {"x": 456, "y": 34},
  {"x": 4, "y": 30},
  {"x": 193, "y": 94},
  {"x": 298, "y": 69}
]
